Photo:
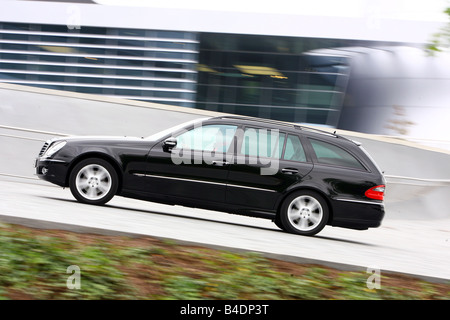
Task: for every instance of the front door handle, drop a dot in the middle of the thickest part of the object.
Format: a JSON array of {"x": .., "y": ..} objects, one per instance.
[{"x": 289, "y": 171}]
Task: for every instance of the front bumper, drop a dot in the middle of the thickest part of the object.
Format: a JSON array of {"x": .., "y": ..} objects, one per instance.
[{"x": 52, "y": 170}]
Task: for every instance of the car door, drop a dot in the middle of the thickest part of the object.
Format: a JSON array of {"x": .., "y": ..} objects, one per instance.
[
  {"x": 194, "y": 167},
  {"x": 268, "y": 162}
]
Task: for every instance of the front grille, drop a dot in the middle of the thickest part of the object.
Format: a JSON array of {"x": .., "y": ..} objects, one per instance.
[{"x": 44, "y": 148}]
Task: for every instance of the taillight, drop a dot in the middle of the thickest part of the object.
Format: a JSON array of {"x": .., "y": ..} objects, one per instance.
[{"x": 376, "y": 193}]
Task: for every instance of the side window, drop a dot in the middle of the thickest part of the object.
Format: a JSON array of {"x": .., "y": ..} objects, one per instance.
[
  {"x": 328, "y": 153},
  {"x": 212, "y": 137},
  {"x": 262, "y": 143},
  {"x": 294, "y": 150}
]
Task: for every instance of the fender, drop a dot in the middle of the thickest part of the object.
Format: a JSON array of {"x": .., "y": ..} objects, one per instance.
[
  {"x": 96, "y": 152},
  {"x": 306, "y": 184}
]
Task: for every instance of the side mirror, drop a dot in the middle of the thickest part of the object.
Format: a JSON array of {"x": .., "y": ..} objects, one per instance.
[{"x": 169, "y": 144}]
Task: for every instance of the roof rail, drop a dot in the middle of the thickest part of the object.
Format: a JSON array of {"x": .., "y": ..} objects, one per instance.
[
  {"x": 282, "y": 123},
  {"x": 317, "y": 130},
  {"x": 265, "y": 120}
]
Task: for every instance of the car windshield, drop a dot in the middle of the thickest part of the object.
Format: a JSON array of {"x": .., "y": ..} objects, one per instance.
[{"x": 162, "y": 134}]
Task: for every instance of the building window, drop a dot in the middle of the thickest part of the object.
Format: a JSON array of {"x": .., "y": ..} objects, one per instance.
[
  {"x": 148, "y": 65},
  {"x": 271, "y": 77}
]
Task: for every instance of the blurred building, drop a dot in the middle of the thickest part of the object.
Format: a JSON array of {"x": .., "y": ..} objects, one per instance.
[{"x": 327, "y": 65}]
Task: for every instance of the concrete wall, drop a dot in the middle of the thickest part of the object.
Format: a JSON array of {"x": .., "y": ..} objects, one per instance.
[{"x": 418, "y": 177}]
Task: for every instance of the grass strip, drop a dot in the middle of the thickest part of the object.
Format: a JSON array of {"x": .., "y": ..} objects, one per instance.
[{"x": 34, "y": 265}]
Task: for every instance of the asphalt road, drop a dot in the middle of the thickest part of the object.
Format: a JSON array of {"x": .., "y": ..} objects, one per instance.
[
  {"x": 419, "y": 247},
  {"x": 414, "y": 238}
]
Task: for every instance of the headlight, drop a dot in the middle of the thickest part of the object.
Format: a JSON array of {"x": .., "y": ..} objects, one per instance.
[{"x": 54, "y": 148}]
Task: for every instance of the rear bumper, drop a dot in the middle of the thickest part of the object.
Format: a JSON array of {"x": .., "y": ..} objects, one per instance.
[
  {"x": 51, "y": 170},
  {"x": 357, "y": 214}
]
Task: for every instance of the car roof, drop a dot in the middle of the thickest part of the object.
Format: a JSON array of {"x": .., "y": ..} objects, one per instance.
[{"x": 284, "y": 125}]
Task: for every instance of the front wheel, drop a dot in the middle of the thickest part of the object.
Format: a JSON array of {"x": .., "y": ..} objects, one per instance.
[
  {"x": 304, "y": 212},
  {"x": 93, "y": 181}
]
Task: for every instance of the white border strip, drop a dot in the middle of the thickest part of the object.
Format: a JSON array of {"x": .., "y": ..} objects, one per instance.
[
  {"x": 360, "y": 201},
  {"x": 103, "y": 66},
  {"x": 90, "y": 75},
  {"x": 95, "y": 46},
  {"x": 100, "y": 56},
  {"x": 97, "y": 36},
  {"x": 417, "y": 179},
  {"x": 34, "y": 131},
  {"x": 87, "y": 85}
]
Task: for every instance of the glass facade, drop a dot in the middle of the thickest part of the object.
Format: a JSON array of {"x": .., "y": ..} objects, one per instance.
[
  {"x": 265, "y": 76},
  {"x": 273, "y": 77},
  {"x": 150, "y": 65}
]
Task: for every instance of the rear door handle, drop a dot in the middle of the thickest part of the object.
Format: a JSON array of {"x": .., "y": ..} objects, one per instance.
[
  {"x": 220, "y": 163},
  {"x": 289, "y": 171}
]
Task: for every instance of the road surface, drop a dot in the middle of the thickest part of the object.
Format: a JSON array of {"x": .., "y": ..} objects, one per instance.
[{"x": 419, "y": 247}]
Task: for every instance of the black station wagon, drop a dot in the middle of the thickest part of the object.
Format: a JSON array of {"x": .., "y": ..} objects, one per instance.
[{"x": 300, "y": 178}]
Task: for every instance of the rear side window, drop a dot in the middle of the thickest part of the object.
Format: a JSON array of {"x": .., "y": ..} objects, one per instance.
[
  {"x": 328, "y": 153},
  {"x": 294, "y": 149}
]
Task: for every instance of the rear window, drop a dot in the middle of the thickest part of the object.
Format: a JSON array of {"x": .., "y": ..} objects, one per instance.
[{"x": 330, "y": 154}]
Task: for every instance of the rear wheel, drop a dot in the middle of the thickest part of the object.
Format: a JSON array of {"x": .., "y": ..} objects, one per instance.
[
  {"x": 93, "y": 181},
  {"x": 277, "y": 222},
  {"x": 304, "y": 212}
]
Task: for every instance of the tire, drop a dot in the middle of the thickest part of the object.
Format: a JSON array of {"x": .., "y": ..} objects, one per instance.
[
  {"x": 277, "y": 222},
  {"x": 93, "y": 181},
  {"x": 304, "y": 212}
]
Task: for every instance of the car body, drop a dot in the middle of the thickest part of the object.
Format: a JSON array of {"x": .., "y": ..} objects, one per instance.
[{"x": 299, "y": 177}]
